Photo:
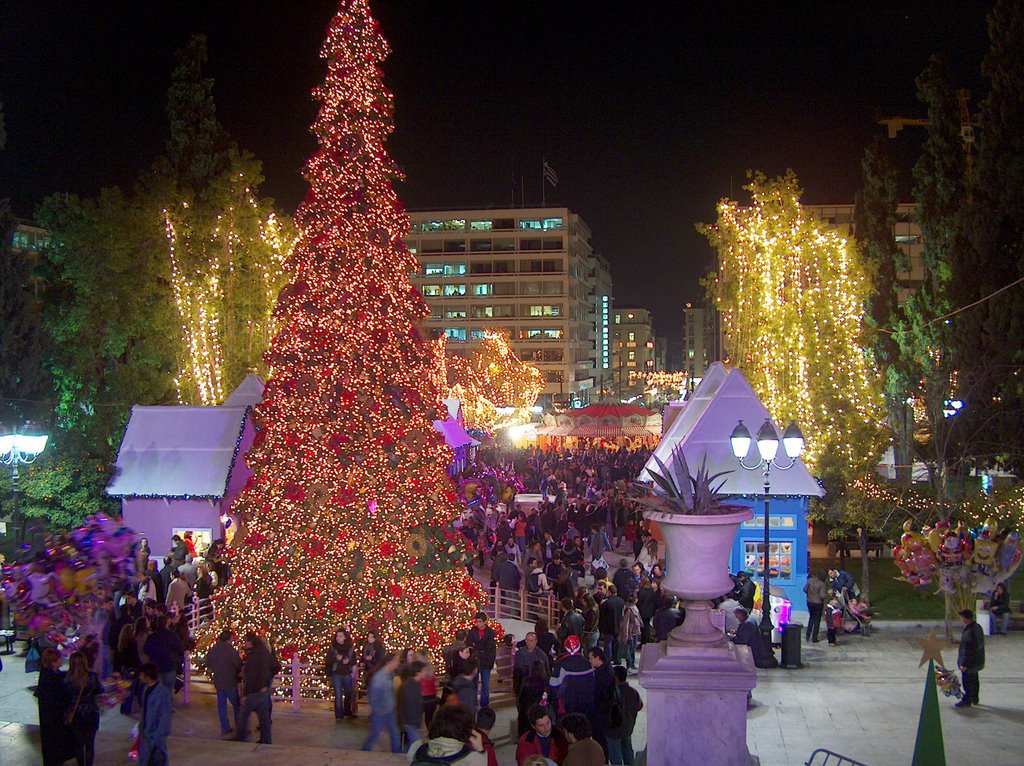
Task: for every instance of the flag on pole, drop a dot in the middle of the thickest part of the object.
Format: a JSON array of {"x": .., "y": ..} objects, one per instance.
[{"x": 550, "y": 175}]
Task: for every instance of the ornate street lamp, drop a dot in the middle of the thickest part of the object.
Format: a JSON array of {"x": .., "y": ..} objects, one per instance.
[
  {"x": 767, "y": 451},
  {"x": 20, "y": 449}
]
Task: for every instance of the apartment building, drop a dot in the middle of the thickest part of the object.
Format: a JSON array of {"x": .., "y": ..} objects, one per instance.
[
  {"x": 633, "y": 351},
  {"x": 906, "y": 232},
  {"x": 528, "y": 271},
  {"x": 702, "y": 338}
]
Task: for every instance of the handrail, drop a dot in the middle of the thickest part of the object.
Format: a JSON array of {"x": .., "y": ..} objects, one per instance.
[{"x": 841, "y": 760}]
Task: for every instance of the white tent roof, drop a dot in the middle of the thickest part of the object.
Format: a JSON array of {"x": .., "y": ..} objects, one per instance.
[
  {"x": 454, "y": 434},
  {"x": 178, "y": 451},
  {"x": 704, "y": 426},
  {"x": 454, "y": 408},
  {"x": 249, "y": 391}
]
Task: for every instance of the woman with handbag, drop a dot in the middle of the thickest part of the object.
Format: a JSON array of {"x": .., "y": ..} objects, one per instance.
[
  {"x": 52, "y": 696},
  {"x": 83, "y": 715}
]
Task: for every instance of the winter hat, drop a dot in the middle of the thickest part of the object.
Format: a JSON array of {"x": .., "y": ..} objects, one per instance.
[{"x": 572, "y": 644}]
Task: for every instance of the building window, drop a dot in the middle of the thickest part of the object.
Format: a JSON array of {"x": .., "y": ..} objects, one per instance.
[
  {"x": 455, "y": 314},
  {"x": 548, "y": 310},
  {"x": 455, "y": 333},
  {"x": 618, "y": 319},
  {"x": 483, "y": 289},
  {"x": 455, "y": 245},
  {"x": 553, "y": 334},
  {"x": 504, "y": 267},
  {"x": 431, "y": 291},
  {"x": 452, "y": 291},
  {"x": 483, "y": 267},
  {"x": 433, "y": 270},
  {"x": 553, "y": 223},
  {"x": 480, "y": 245},
  {"x": 780, "y": 559},
  {"x": 631, "y": 356},
  {"x": 631, "y": 337},
  {"x": 454, "y": 269},
  {"x": 482, "y": 225},
  {"x": 552, "y": 266},
  {"x": 530, "y": 223},
  {"x": 451, "y": 224},
  {"x": 529, "y": 245},
  {"x": 505, "y": 288},
  {"x": 553, "y": 377},
  {"x": 503, "y": 224},
  {"x": 503, "y": 245},
  {"x": 431, "y": 246},
  {"x": 554, "y": 243},
  {"x": 477, "y": 334}
]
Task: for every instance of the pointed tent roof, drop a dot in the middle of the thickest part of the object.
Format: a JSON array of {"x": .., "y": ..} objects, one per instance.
[
  {"x": 178, "y": 451},
  {"x": 704, "y": 426},
  {"x": 249, "y": 391}
]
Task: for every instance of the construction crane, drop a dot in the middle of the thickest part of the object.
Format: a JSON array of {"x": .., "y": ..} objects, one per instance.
[{"x": 963, "y": 97}]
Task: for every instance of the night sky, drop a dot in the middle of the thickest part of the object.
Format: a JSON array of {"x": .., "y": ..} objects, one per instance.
[{"x": 649, "y": 112}]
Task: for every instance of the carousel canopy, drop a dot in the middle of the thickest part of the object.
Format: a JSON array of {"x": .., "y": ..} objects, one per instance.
[
  {"x": 607, "y": 421},
  {"x": 455, "y": 436}
]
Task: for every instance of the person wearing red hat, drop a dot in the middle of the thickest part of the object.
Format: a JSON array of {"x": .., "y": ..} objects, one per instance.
[{"x": 572, "y": 681}]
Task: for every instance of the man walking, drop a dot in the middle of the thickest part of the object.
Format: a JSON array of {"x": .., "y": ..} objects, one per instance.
[
  {"x": 817, "y": 595},
  {"x": 225, "y": 666},
  {"x": 383, "y": 710},
  {"x": 156, "y": 718},
  {"x": 481, "y": 638},
  {"x": 257, "y": 675},
  {"x": 971, "y": 658}
]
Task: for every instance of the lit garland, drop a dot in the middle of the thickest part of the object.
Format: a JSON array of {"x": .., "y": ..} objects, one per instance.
[
  {"x": 1005, "y": 508},
  {"x": 225, "y": 275},
  {"x": 672, "y": 381},
  {"x": 495, "y": 386},
  {"x": 347, "y": 517},
  {"x": 791, "y": 292}
]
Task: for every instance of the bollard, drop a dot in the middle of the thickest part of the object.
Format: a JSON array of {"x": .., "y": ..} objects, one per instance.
[{"x": 296, "y": 682}]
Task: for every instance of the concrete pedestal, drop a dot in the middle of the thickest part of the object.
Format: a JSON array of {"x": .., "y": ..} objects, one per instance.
[{"x": 697, "y": 703}]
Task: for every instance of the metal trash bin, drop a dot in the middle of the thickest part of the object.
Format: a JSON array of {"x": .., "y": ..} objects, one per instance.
[{"x": 792, "y": 635}]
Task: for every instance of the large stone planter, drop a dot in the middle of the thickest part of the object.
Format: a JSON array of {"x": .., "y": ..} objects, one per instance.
[
  {"x": 698, "y": 546},
  {"x": 697, "y": 681}
]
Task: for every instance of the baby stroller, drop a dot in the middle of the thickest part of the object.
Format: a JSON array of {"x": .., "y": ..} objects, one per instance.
[
  {"x": 948, "y": 682},
  {"x": 854, "y": 620}
]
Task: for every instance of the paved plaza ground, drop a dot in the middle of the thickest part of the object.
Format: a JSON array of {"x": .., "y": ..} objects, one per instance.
[{"x": 860, "y": 699}]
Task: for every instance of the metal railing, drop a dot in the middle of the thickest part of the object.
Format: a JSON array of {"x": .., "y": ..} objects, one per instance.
[
  {"x": 522, "y": 605},
  {"x": 827, "y": 759}
]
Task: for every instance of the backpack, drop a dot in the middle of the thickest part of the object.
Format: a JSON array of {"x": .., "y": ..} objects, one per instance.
[
  {"x": 423, "y": 759},
  {"x": 615, "y": 711},
  {"x": 533, "y": 583}
]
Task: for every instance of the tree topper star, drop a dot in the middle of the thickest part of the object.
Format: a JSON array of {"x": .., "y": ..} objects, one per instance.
[{"x": 931, "y": 649}]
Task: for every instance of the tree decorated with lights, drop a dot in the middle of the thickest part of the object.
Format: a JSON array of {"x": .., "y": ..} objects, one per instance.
[
  {"x": 496, "y": 387},
  {"x": 226, "y": 245},
  {"x": 792, "y": 291},
  {"x": 347, "y": 518}
]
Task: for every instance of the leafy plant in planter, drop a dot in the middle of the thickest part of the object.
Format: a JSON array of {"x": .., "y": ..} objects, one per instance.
[{"x": 675, "y": 490}]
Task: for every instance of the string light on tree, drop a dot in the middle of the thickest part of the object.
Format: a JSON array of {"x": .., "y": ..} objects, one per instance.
[
  {"x": 791, "y": 292},
  {"x": 225, "y": 276},
  {"x": 347, "y": 517}
]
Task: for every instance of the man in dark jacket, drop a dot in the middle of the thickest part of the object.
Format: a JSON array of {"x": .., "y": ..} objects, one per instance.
[
  {"x": 509, "y": 576},
  {"x": 623, "y": 579},
  {"x": 605, "y": 696},
  {"x": 744, "y": 591},
  {"x": 609, "y": 622},
  {"x": 481, "y": 638},
  {"x": 164, "y": 649},
  {"x": 257, "y": 675},
  {"x": 620, "y": 743},
  {"x": 572, "y": 682},
  {"x": 667, "y": 618},
  {"x": 572, "y": 623},
  {"x": 971, "y": 658},
  {"x": 225, "y": 666}
]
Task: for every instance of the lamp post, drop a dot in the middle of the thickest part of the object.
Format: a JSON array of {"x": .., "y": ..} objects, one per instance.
[
  {"x": 19, "y": 449},
  {"x": 767, "y": 451}
]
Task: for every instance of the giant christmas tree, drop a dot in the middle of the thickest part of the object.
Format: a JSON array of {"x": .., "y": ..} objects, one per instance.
[{"x": 347, "y": 518}]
